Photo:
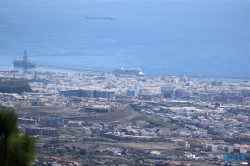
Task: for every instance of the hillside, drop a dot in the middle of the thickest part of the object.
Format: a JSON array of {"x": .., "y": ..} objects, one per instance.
[{"x": 14, "y": 86}]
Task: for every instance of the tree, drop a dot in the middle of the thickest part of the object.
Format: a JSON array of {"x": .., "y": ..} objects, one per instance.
[
  {"x": 15, "y": 149},
  {"x": 74, "y": 148},
  {"x": 82, "y": 152}
]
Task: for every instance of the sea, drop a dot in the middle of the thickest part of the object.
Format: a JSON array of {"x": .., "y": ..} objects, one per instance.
[{"x": 172, "y": 37}]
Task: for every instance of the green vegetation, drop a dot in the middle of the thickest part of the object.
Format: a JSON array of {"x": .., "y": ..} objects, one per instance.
[
  {"x": 151, "y": 120},
  {"x": 15, "y": 149},
  {"x": 136, "y": 107},
  {"x": 170, "y": 104},
  {"x": 82, "y": 152}
]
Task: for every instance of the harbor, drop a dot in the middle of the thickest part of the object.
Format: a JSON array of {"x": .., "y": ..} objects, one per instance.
[{"x": 26, "y": 64}]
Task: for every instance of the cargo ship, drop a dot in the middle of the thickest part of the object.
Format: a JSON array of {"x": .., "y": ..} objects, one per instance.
[
  {"x": 111, "y": 17},
  {"x": 133, "y": 72},
  {"x": 24, "y": 62}
]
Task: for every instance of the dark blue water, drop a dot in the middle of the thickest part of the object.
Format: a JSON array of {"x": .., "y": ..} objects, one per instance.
[{"x": 160, "y": 37}]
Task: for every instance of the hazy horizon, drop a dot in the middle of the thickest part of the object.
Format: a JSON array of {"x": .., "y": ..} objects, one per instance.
[{"x": 160, "y": 37}]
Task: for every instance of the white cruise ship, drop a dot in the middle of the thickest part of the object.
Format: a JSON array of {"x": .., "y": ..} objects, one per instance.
[{"x": 132, "y": 71}]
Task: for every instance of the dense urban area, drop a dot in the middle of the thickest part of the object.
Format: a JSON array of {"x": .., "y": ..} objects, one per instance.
[{"x": 108, "y": 120}]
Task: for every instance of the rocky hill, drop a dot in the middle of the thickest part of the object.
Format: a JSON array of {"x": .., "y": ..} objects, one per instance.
[{"x": 14, "y": 86}]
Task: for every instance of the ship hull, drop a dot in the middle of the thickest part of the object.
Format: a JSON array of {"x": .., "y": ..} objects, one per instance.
[
  {"x": 107, "y": 18},
  {"x": 98, "y": 18},
  {"x": 131, "y": 72}
]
